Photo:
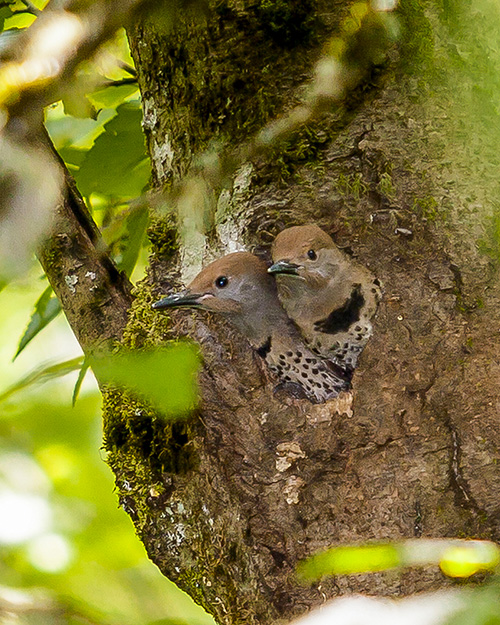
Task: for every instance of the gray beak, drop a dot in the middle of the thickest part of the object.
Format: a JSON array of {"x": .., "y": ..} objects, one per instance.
[
  {"x": 284, "y": 267},
  {"x": 177, "y": 300}
]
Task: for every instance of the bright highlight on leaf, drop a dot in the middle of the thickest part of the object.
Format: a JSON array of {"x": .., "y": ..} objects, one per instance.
[
  {"x": 167, "y": 378},
  {"x": 465, "y": 560},
  {"x": 349, "y": 560},
  {"x": 456, "y": 558}
]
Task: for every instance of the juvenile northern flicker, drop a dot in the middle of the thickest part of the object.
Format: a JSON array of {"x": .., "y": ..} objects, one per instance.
[
  {"x": 239, "y": 287},
  {"x": 330, "y": 298}
]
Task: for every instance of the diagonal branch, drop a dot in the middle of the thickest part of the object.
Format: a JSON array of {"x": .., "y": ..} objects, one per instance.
[
  {"x": 31, "y": 8},
  {"x": 46, "y": 55},
  {"x": 94, "y": 294}
]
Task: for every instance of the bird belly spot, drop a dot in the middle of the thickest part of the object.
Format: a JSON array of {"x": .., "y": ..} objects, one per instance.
[
  {"x": 265, "y": 348},
  {"x": 341, "y": 319}
]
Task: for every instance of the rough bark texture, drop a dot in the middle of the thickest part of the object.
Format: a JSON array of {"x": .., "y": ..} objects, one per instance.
[
  {"x": 228, "y": 502},
  {"x": 94, "y": 294}
]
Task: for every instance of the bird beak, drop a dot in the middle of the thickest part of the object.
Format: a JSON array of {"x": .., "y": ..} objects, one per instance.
[
  {"x": 177, "y": 300},
  {"x": 284, "y": 267}
]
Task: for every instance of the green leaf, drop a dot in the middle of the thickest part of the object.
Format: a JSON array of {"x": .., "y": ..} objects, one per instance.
[
  {"x": 78, "y": 105},
  {"x": 349, "y": 560},
  {"x": 5, "y": 13},
  {"x": 112, "y": 96},
  {"x": 72, "y": 156},
  {"x": 72, "y": 132},
  {"x": 136, "y": 224},
  {"x": 164, "y": 377},
  {"x": 46, "y": 308},
  {"x": 467, "y": 558},
  {"x": 79, "y": 382},
  {"x": 43, "y": 374},
  {"x": 75, "y": 100},
  {"x": 117, "y": 165},
  {"x": 456, "y": 557}
]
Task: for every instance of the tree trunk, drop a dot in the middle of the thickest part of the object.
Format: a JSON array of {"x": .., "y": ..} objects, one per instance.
[{"x": 401, "y": 175}]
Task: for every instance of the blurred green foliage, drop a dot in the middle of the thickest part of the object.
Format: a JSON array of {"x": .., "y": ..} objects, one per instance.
[
  {"x": 102, "y": 144},
  {"x": 64, "y": 541},
  {"x": 99, "y": 564},
  {"x": 455, "y": 557},
  {"x": 484, "y": 609},
  {"x": 165, "y": 377},
  {"x": 116, "y": 165},
  {"x": 350, "y": 559},
  {"x": 47, "y": 307},
  {"x": 96, "y": 128},
  {"x": 42, "y": 374},
  {"x": 69, "y": 554}
]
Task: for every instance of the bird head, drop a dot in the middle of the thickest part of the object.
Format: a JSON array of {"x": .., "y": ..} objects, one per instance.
[
  {"x": 303, "y": 252},
  {"x": 237, "y": 286}
]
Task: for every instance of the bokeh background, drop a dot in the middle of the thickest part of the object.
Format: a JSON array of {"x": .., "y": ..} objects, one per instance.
[
  {"x": 65, "y": 544},
  {"x": 69, "y": 554},
  {"x": 64, "y": 541}
]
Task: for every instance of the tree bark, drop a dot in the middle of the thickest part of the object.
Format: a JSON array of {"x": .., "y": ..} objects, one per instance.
[
  {"x": 94, "y": 294},
  {"x": 228, "y": 503}
]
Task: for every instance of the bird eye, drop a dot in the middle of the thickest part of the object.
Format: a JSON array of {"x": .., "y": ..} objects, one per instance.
[
  {"x": 312, "y": 255},
  {"x": 221, "y": 282}
]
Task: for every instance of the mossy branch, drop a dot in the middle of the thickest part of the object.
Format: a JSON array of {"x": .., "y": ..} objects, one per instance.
[{"x": 94, "y": 294}]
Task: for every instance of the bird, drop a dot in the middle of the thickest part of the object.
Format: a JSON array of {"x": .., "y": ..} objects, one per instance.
[
  {"x": 239, "y": 287},
  {"x": 330, "y": 298}
]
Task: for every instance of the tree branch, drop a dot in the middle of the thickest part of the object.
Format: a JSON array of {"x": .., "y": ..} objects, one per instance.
[
  {"x": 45, "y": 55},
  {"x": 31, "y": 8},
  {"x": 94, "y": 294}
]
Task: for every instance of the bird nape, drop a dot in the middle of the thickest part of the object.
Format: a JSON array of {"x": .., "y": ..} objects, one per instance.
[{"x": 240, "y": 287}]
